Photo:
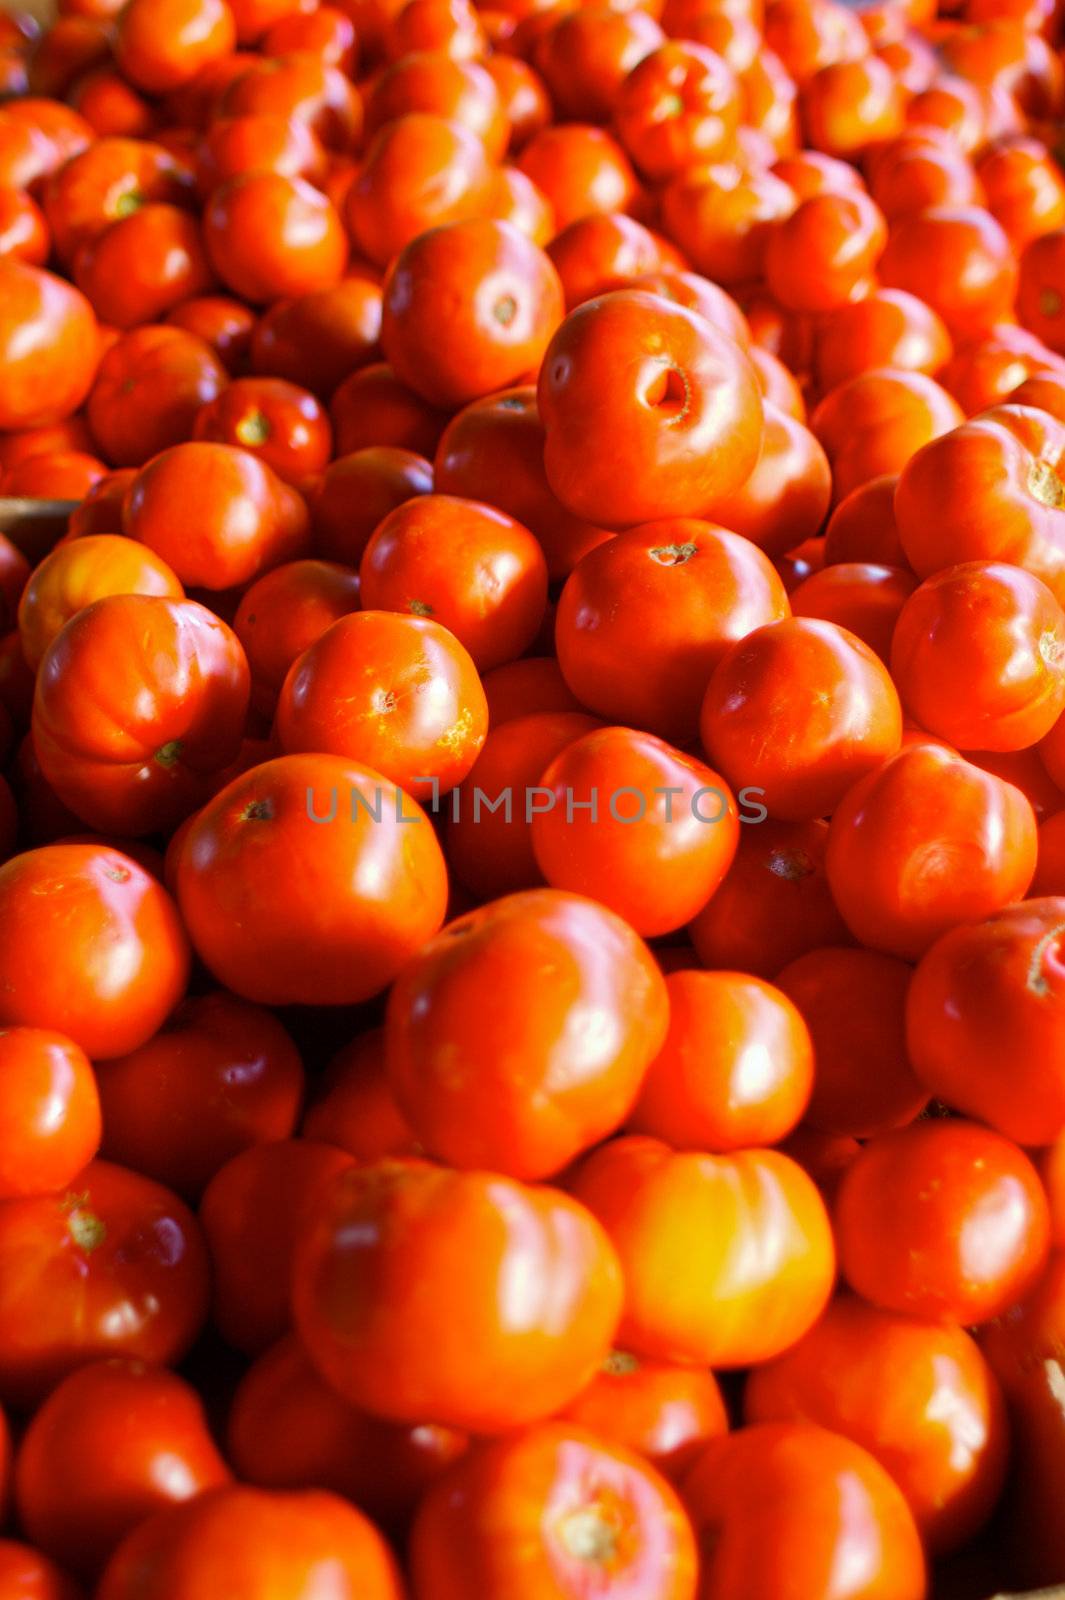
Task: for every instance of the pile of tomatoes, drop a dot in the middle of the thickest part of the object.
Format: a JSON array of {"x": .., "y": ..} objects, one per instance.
[{"x": 532, "y": 852}]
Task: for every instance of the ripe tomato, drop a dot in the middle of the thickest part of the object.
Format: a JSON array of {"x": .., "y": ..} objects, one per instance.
[
  {"x": 727, "y": 1260},
  {"x": 503, "y": 301},
  {"x": 794, "y": 1511},
  {"x": 1009, "y": 464},
  {"x": 821, "y": 256},
  {"x": 140, "y": 700},
  {"x": 343, "y": 870},
  {"x": 918, "y": 1396},
  {"x": 798, "y": 712},
  {"x": 420, "y": 172},
  {"x": 219, "y": 1076},
  {"x": 704, "y": 588},
  {"x": 79, "y": 572},
  {"x": 656, "y": 832},
  {"x": 465, "y": 565},
  {"x": 217, "y": 515},
  {"x": 736, "y": 1068},
  {"x": 972, "y": 835},
  {"x": 268, "y": 235},
  {"x": 288, "y": 1429},
  {"x": 49, "y": 346},
  {"x": 354, "y": 1107},
  {"x": 399, "y": 693},
  {"x": 873, "y": 423},
  {"x": 143, "y": 265},
  {"x": 253, "y": 1212},
  {"x": 273, "y": 420},
  {"x": 722, "y": 217},
  {"x": 50, "y": 1121},
  {"x": 987, "y": 371},
  {"x": 648, "y": 411},
  {"x": 678, "y": 107},
  {"x": 493, "y": 451},
  {"x": 558, "y": 1509},
  {"x": 862, "y": 596},
  {"x": 112, "y": 1443},
  {"x": 112, "y": 179},
  {"x": 163, "y": 44},
  {"x": 979, "y": 656},
  {"x": 787, "y": 496},
  {"x": 317, "y": 339},
  {"x": 90, "y": 945},
  {"x": 373, "y": 408},
  {"x": 113, "y": 1266},
  {"x": 888, "y": 328},
  {"x": 435, "y": 84},
  {"x": 149, "y": 387},
  {"x": 545, "y": 1088},
  {"x": 657, "y": 1410},
  {"x": 64, "y": 476},
  {"x": 970, "y": 1226},
  {"x": 284, "y": 612},
  {"x": 275, "y": 1545},
  {"x": 408, "y": 1283},
  {"x": 27, "y": 1575},
  {"x": 1040, "y": 302},
  {"x": 957, "y": 259},
  {"x": 357, "y": 491},
  {"x": 978, "y": 986}
]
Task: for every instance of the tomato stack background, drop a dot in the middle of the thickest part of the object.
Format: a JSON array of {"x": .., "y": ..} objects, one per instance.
[{"x": 532, "y": 845}]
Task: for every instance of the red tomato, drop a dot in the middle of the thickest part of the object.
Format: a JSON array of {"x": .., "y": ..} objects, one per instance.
[
  {"x": 794, "y": 1511},
  {"x": 970, "y": 1226},
  {"x": 253, "y": 1213},
  {"x": 399, "y": 693},
  {"x": 354, "y": 1106},
  {"x": 286, "y": 611},
  {"x": 27, "y": 1575},
  {"x": 657, "y": 1410},
  {"x": 727, "y": 1260},
  {"x": 319, "y": 338},
  {"x": 342, "y": 867},
  {"x": 925, "y": 843},
  {"x": 277, "y": 422},
  {"x": 113, "y": 1266},
  {"x": 219, "y": 1076},
  {"x": 113, "y": 1443},
  {"x": 140, "y": 701},
  {"x": 268, "y": 1542},
  {"x": 150, "y": 385},
  {"x": 558, "y": 1509},
  {"x": 357, "y": 491},
  {"x": 736, "y": 1069},
  {"x": 289, "y": 1430},
  {"x": 49, "y": 1112},
  {"x": 546, "y": 1084},
  {"x": 49, "y": 346},
  {"x": 80, "y": 571},
  {"x": 90, "y": 945},
  {"x": 162, "y": 44},
  {"x": 268, "y": 235},
  {"x": 479, "y": 1301}
]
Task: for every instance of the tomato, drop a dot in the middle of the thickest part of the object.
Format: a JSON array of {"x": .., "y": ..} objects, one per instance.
[
  {"x": 399, "y": 693},
  {"x": 24, "y": 230},
  {"x": 969, "y": 1228},
  {"x": 268, "y": 235},
  {"x": 503, "y": 301},
  {"x": 275, "y": 421},
  {"x": 113, "y": 1266},
  {"x": 343, "y": 870},
  {"x": 959, "y": 260},
  {"x": 797, "y": 712},
  {"x": 354, "y": 1106},
  {"x": 864, "y": 597},
  {"x": 979, "y": 656},
  {"x": 463, "y": 564},
  {"x": 133, "y": 750},
  {"x": 36, "y": 136},
  {"x": 791, "y": 1510},
  {"x": 149, "y": 387},
  {"x": 49, "y": 346},
  {"x": 372, "y": 408},
  {"x": 142, "y": 265},
  {"x": 112, "y": 1443},
  {"x": 465, "y": 92},
  {"x": 556, "y": 1509},
  {"x": 819, "y": 258},
  {"x": 252, "y": 1212},
  {"x": 539, "y": 1095},
  {"x": 987, "y": 371},
  {"x": 289, "y": 1430},
  {"x": 408, "y": 1283},
  {"x": 888, "y": 328},
  {"x": 79, "y": 572},
  {"x": 357, "y": 491},
  {"x": 921, "y": 169},
  {"x": 659, "y": 1411},
  {"x": 727, "y": 1259},
  {"x": 220, "y": 1076},
  {"x": 303, "y": 85},
  {"x": 854, "y": 1002},
  {"x": 217, "y": 515},
  {"x": 27, "y": 1575},
  {"x": 1044, "y": 390},
  {"x": 685, "y": 416},
  {"x": 655, "y": 835},
  {"x": 787, "y": 496},
  {"x": 678, "y": 107},
  {"x": 971, "y": 834},
  {"x": 259, "y": 140},
  {"x": 872, "y": 424},
  {"x": 1040, "y": 302},
  {"x": 276, "y": 1545},
  {"x": 1007, "y": 462},
  {"x": 976, "y": 986},
  {"x": 91, "y": 945},
  {"x": 49, "y": 1111},
  {"x": 283, "y": 613},
  {"x": 420, "y": 172},
  {"x": 736, "y": 1068},
  {"x": 319, "y": 338},
  {"x": 162, "y": 44}
]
